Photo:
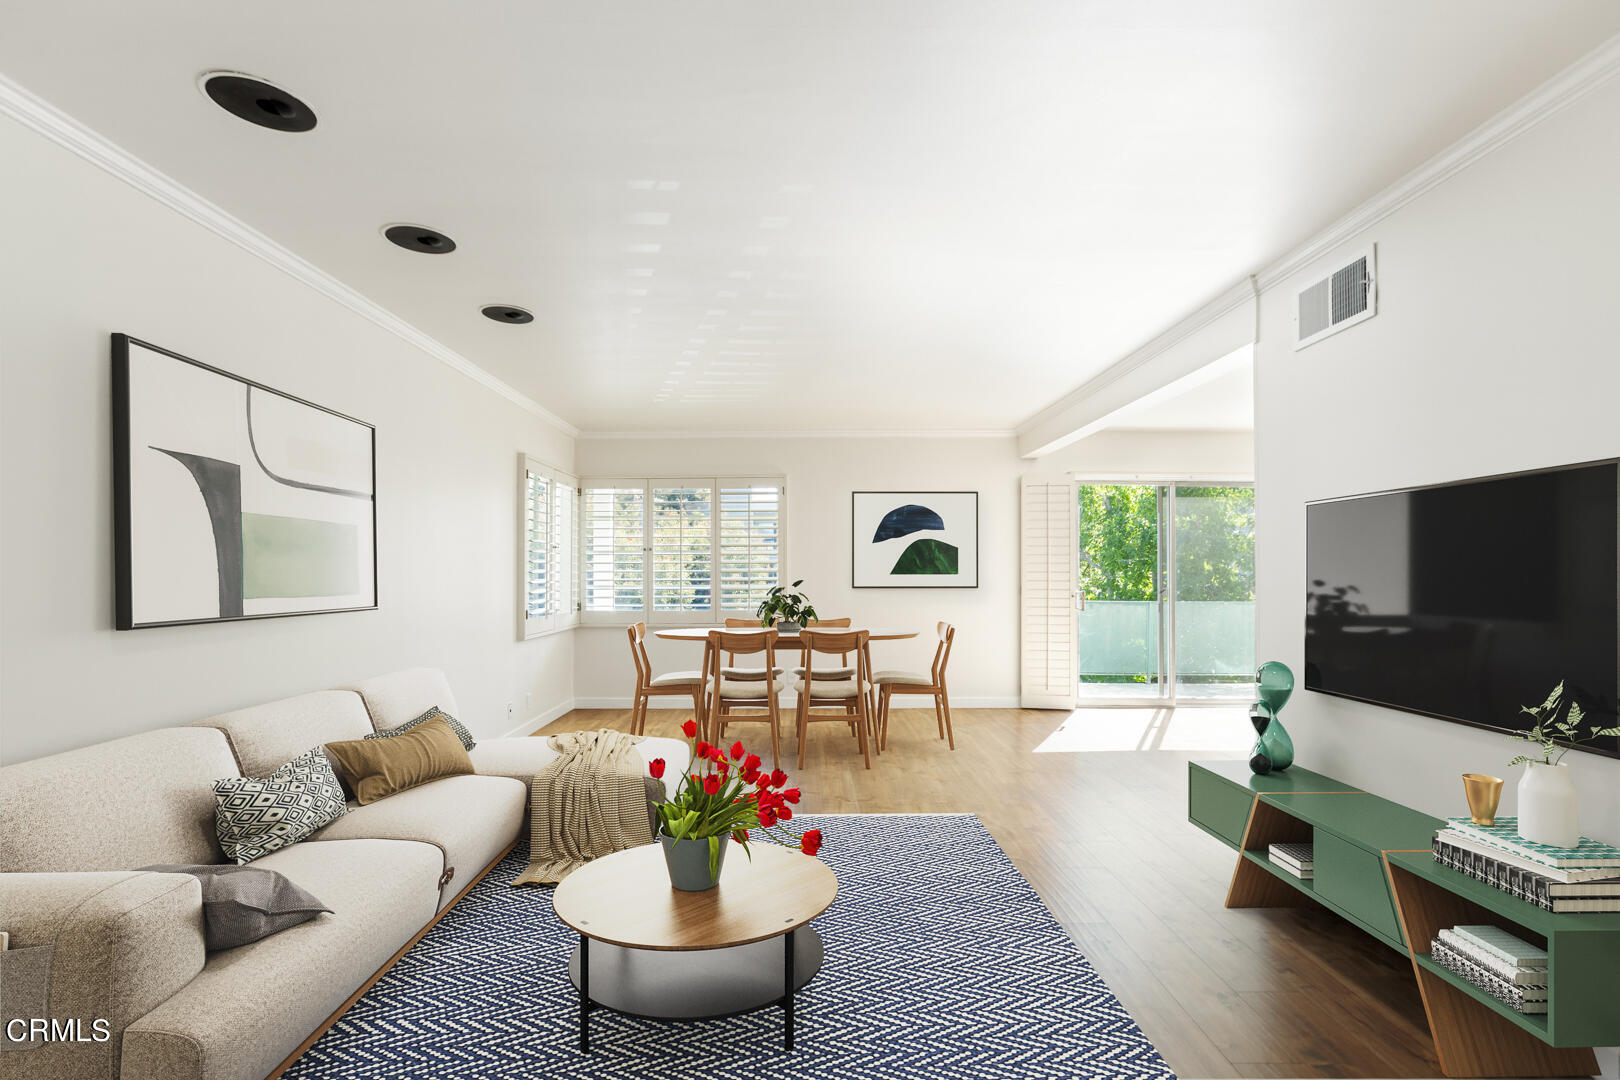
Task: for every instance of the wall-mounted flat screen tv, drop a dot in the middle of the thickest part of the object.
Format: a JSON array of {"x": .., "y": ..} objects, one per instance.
[{"x": 1467, "y": 601}]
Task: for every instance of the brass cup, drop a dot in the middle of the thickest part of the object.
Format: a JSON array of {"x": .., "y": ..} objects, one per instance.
[{"x": 1484, "y": 793}]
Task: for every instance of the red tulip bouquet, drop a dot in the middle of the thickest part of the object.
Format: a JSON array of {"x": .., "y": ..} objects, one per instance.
[{"x": 729, "y": 796}]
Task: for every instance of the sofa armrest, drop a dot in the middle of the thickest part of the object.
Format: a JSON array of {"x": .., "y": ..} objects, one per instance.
[{"x": 122, "y": 942}]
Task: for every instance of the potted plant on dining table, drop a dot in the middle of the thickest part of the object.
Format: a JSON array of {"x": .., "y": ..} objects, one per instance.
[
  {"x": 723, "y": 799},
  {"x": 787, "y": 609}
]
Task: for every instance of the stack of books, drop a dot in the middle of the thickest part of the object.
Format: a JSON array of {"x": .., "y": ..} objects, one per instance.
[
  {"x": 1582, "y": 878},
  {"x": 1294, "y": 858},
  {"x": 1509, "y": 969}
]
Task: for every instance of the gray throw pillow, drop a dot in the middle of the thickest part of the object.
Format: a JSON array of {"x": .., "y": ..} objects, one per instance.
[
  {"x": 254, "y": 816},
  {"x": 242, "y": 904},
  {"x": 457, "y": 726}
]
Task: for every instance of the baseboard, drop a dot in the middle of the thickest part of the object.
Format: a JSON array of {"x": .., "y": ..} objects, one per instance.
[
  {"x": 1009, "y": 702},
  {"x": 535, "y": 723}
]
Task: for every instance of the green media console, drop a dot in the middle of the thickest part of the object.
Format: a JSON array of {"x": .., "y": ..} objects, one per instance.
[{"x": 1374, "y": 868}]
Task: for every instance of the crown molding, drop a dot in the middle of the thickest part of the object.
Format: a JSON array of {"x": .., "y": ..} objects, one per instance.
[
  {"x": 1550, "y": 98},
  {"x": 969, "y": 433},
  {"x": 1545, "y": 101},
  {"x": 45, "y": 119}
]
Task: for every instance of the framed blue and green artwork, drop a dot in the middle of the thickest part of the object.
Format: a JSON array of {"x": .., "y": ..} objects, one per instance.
[
  {"x": 232, "y": 500},
  {"x": 914, "y": 540}
]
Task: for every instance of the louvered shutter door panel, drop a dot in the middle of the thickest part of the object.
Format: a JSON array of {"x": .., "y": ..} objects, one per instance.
[
  {"x": 537, "y": 536},
  {"x": 750, "y": 544},
  {"x": 561, "y": 599},
  {"x": 613, "y": 559},
  {"x": 1046, "y": 594},
  {"x": 682, "y": 548}
]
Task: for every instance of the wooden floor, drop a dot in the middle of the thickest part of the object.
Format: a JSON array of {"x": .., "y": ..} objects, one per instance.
[{"x": 1104, "y": 839}]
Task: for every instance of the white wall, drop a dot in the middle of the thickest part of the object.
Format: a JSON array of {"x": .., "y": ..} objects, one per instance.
[
  {"x": 85, "y": 255},
  {"x": 1493, "y": 350},
  {"x": 821, "y": 473}
]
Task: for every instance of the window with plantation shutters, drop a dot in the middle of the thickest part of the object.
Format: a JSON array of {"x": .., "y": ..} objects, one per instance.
[
  {"x": 537, "y": 534},
  {"x": 683, "y": 548},
  {"x": 750, "y": 542},
  {"x": 561, "y": 585},
  {"x": 546, "y": 557},
  {"x": 613, "y": 553},
  {"x": 676, "y": 551}
]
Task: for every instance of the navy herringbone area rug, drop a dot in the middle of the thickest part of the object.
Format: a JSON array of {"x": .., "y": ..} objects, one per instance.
[{"x": 941, "y": 963}]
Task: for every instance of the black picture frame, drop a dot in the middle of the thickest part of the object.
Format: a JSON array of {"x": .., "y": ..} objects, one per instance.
[
  {"x": 853, "y": 580},
  {"x": 123, "y": 588}
]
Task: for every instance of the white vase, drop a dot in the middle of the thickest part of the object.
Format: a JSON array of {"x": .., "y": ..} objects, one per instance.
[{"x": 1549, "y": 812}]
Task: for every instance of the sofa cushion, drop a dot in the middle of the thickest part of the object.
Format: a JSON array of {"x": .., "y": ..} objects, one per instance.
[
  {"x": 142, "y": 799},
  {"x": 255, "y": 816},
  {"x": 378, "y": 768},
  {"x": 521, "y": 758},
  {"x": 466, "y": 737},
  {"x": 469, "y": 819},
  {"x": 242, "y": 904},
  {"x": 264, "y": 736},
  {"x": 393, "y": 699},
  {"x": 250, "y": 1007}
]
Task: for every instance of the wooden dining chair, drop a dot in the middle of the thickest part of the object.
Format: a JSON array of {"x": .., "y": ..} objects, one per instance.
[
  {"x": 648, "y": 686},
  {"x": 727, "y": 695},
  {"x": 843, "y": 671},
  {"x": 848, "y": 695},
  {"x": 890, "y": 683},
  {"x": 733, "y": 670}
]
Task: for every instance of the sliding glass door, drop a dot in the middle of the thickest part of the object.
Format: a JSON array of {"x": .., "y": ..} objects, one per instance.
[{"x": 1165, "y": 592}]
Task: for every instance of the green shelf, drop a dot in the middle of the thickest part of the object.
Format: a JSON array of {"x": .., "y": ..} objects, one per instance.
[
  {"x": 1355, "y": 833},
  {"x": 1366, "y": 821},
  {"x": 1539, "y": 921},
  {"x": 1289, "y": 780},
  {"x": 1534, "y": 1023},
  {"x": 1308, "y": 887}
]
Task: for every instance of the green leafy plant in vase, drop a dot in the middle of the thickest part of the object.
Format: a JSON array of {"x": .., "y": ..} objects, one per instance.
[
  {"x": 785, "y": 608},
  {"x": 1549, "y": 811}
]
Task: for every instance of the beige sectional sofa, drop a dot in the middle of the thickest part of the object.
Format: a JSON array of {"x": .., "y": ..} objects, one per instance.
[{"x": 127, "y": 946}]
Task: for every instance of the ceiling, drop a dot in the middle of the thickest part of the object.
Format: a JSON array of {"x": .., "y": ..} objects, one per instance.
[{"x": 754, "y": 215}]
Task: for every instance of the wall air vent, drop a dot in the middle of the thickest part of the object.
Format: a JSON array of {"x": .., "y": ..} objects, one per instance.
[{"x": 1345, "y": 297}]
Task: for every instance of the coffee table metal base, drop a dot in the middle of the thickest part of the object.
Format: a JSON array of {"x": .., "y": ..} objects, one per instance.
[{"x": 703, "y": 984}]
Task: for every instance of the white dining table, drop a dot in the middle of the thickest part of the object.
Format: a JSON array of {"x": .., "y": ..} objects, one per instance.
[{"x": 786, "y": 640}]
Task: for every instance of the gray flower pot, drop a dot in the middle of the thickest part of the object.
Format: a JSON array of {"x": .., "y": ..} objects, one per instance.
[
  {"x": 786, "y": 627},
  {"x": 688, "y": 862}
]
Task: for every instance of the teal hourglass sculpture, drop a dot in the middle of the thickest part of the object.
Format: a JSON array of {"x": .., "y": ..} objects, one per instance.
[{"x": 1273, "y": 750}]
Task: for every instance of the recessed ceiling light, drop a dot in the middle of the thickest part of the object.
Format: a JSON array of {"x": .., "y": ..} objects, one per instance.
[
  {"x": 256, "y": 101},
  {"x": 506, "y": 313},
  {"x": 419, "y": 238}
]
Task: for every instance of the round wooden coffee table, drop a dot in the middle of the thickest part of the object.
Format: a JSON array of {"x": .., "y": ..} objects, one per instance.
[{"x": 651, "y": 950}]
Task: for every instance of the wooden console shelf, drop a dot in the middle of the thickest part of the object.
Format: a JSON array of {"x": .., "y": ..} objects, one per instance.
[{"x": 1374, "y": 868}]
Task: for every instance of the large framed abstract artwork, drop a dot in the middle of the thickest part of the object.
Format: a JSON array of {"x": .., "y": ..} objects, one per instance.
[
  {"x": 232, "y": 500},
  {"x": 914, "y": 540}
]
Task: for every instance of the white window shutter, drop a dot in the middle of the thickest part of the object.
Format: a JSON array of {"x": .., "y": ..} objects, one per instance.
[{"x": 1047, "y": 538}]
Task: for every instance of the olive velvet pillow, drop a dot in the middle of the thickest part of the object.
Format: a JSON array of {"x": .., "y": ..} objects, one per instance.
[{"x": 378, "y": 768}]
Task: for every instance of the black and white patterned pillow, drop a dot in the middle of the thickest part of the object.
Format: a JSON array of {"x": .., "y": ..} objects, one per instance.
[
  {"x": 254, "y": 816},
  {"x": 457, "y": 726}
]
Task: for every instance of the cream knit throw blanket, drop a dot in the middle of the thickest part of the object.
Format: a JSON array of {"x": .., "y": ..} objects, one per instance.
[{"x": 590, "y": 802}]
